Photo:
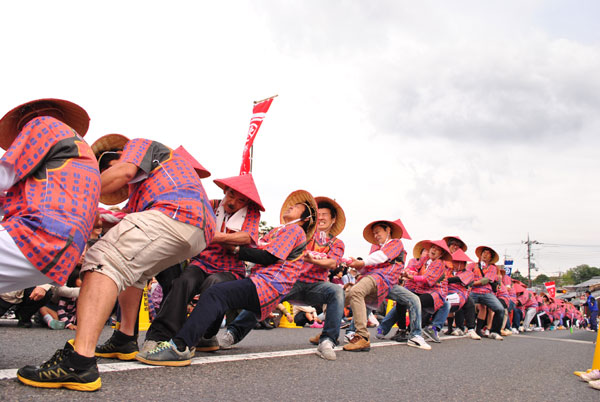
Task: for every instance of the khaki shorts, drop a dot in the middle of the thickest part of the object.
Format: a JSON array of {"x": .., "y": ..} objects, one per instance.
[{"x": 142, "y": 245}]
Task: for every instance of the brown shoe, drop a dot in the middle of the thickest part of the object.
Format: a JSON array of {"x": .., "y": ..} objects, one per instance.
[
  {"x": 358, "y": 344},
  {"x": 315, "y": 339}
]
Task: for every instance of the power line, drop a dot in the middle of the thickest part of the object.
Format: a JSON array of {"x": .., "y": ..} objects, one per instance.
[{"x": 529, "y": 256}]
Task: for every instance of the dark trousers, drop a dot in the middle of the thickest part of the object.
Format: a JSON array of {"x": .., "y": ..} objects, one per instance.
[
  {"x": 173, "y": 311},
  {"x": 517, "y": 317},
  {"x": 27, "y": 307},
  {"x": 466, "y": 315},
  {"x": 206, "y": 318}
]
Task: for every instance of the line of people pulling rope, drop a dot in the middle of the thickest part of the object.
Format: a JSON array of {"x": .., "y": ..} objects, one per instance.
[{"x": 51, "y": 182}]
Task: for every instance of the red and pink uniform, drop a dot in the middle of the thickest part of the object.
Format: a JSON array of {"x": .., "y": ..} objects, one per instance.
[
  {"x": 50, "y": 210},
  {"x": 274, "y": 281},
  {"x": 168, "y": 184},
  {"x": 332, "y": 247},
  {"x": 460, "y": 288},
  {"x": 490, "y": 272},
  {"x": 386, "y": 274},
  {"x": 435, "y": 282}
]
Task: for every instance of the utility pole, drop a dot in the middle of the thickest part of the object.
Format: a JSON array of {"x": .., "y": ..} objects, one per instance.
[{"x": 529, "y": 256}]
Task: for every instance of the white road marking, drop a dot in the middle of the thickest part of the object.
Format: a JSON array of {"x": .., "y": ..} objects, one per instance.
[{"x": 553, "y": 339}]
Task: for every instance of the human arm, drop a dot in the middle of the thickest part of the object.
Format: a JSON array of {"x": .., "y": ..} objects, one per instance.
[
  {"x": 117, "y": 176},
  {"x": 256, "y": 256},
  {"x": 232, "y": 239}
]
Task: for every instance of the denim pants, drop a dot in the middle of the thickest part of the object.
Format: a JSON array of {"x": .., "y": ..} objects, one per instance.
[
  {"x": 440, "y": 316},
  {"x": 405, "y": 297},
  {"x": 312, "y": 294},
  {"x": 490, "y": 300}
]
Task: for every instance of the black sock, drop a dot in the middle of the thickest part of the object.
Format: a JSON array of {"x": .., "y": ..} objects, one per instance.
[
  {"x": 180, "y": 344},
  {"x": 80, "y": 362},
  {"x": 121, "y": 338},
  {"x": 480, "y": 324},
  {"x": 450, "y": 322}
]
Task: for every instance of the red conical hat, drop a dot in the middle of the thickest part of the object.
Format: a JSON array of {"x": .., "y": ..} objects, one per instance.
[
  {"x": 183, "y": 153},
  {"x": 463, "y": 247},
  {"x": 396, "y": 231},
  {"x": 460, "y": 255},
  {"x": 244, "y": 185},
  {"x": 405, "y": 234},
  {"x": 72, "y": 115},
  {"x": 518, "y": 287}
]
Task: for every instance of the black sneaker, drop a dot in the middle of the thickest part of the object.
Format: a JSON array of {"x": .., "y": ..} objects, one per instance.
[
  {"x": 400, "y": 336},
  {"x": 58, "y": 372},
  {"x": 113, "y": 349},
  {"x": 432, "y": 333}
]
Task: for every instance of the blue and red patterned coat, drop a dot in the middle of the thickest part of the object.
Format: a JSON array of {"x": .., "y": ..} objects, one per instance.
[
  {"x": 490, "y": 272},
  {"x": 170, "y": 186},
  {"x": 460, "y": 288},
  {"x": 386, "y": 274},
  {"x": 333, "y": 247},
  {"x": 435, "y": 283},
  {"x": 216, "y": 259},
  {"x": 275, "y": 281},
  {"x": 51, "y": 208}
]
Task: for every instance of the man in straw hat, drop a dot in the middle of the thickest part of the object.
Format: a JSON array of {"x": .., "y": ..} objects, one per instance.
[
  {"x": 238, "y": 217},
  {"x": 323, "y": 254},
  {"x": 170, "y": 219},
  {"x": 278, "y": 264},
  {"x": 380, "y": 272},
  {"x": 49, "y": 187},
  {"x": 485, "y": 274}
]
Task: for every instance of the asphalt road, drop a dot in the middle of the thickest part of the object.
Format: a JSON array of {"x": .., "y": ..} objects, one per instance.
[{"x": 280, "y": 364}]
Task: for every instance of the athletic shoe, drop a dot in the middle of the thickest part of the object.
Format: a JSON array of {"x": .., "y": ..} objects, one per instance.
[
  {"x": 595, "y": 384},
  {"x": 537, "y": 329},
  {"x": 505, "y": 332},
  {"x": 56, "y": 324},
  {"x": 457, "y": 332},
  {"x": 521, "y": 328},
  {"x": 486, "y": 333},
  {"x": 432, "y": 334},
  {"x": 348, "y": 337},
  {"x": 207, "y": 345},
  {"x": 325, "y": 350},
  {"x": 495, "y": 336},
  {"x": 380, "y": 334},
  {"x": 166, "y": 354},
  {"x": 316, "y": 325},
  {"x": 449, "y": 331},
  {"x": 59, "y": 372},
  {"x": 528, "y": 329},
  {"x": 358, "y": 344},
  {"x": 593, "y": 375},
  {"x": 400, "y": 336},
  {"x": 226, "y": 341},
  {"x": 417, "y": 341},
  {"x": 315, "y": 339},
  {"x": 113, "y": 350},
  {"x": 473, "y": 335},
  {"x": 147, "y": 347}
]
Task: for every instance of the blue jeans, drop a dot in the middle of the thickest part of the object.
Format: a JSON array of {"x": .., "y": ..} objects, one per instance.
[
  {"x": 312, "y": 294},
  {"x": 440, "y": 316},
  {"x": 404, "y": 297},
  {"x": 490, "y": 300}
]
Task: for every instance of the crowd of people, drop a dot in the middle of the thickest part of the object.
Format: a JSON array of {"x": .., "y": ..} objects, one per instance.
[{"x": 210, "y": 252}]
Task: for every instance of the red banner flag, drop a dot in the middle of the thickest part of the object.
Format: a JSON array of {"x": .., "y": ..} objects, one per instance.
[
  {"x": 551, "y": 288},
  {"x": 258, "y": 114}
]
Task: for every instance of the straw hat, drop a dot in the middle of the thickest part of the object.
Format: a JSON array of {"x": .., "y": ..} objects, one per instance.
[
  {"x": 244, "y": 185},
  {"x": 340, "y": 218},
  {"x": 201, "y": 170},
  {"x": 463, "y": 247},
  {"x": 495, "y": 256},
  {"x": 426, "y": 244},
  {"x": 71, "y": 114},
  {"x": 111, "y": 143},
  {"x": 301, "y": 197},
  {"x": 460, "y": 255},
  {"x": 396, "y": 232}
]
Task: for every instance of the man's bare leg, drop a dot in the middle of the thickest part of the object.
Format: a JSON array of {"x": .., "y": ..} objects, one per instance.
[
  {"x": 129, "y": 302},
  {"x": 96, "y": 301}
]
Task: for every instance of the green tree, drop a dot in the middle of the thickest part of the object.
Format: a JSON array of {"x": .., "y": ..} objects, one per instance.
[
  {"x": 517, "y": 275},
  {"x": 264, "y": 228},
  {"x": 580, "y": 273},
  {"x": 540, "y": 279}
]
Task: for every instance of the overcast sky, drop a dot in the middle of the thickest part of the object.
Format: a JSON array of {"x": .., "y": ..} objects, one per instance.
[{"x": 469, "y": 118}]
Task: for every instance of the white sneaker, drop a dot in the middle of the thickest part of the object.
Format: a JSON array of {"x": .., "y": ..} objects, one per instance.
[
  {"x": 227, "y": 340},
  {"x": 325, "y": 350},
  {"x": 495, "y": 336},
  {"x": 348, "y": 336},
  {"x": 537, "y": 329},
  {"x": 417, "y": 341},
  {"x": 593, "y": 375},
  {"x": 486, "y": 333},
  {"x": 521, "y": 329},
  {"x": 528, "y": 329},
  {"x": 473, "y": 335},
  {"x": 457, "y": 332},
  {"x": 515, "y": 331}
]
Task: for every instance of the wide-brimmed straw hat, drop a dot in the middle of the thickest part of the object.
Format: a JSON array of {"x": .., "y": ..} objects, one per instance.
[
  {"x": 396, "y": 230},
  {"x": 111, "y": 143},
  {"x": 460, "y": 256},
  {"x": 302, "y": 197},
  {"x": 495, "y": 256},
  {"x": 340, "y": 216},
  {"x": 243, "y": 184},
  {"x": 426, "y": 244},
  {"x": 201, "y": 170},
  {"x": 463, "y": 246},
  {"x": 71, "y": 114}
]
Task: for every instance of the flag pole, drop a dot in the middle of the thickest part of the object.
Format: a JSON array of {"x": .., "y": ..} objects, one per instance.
[
  {"x": 266, "y": 99},
  {"x": 252, "y": 147}
]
